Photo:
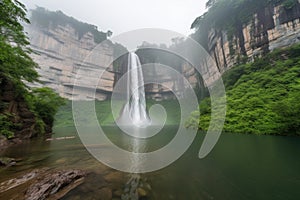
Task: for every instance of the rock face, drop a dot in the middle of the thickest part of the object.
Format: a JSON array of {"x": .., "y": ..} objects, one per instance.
[
  {"x": 61, "y": 54},
  {"x": 270, "y": 28},
  {"x": 41, "y": 184},
  {"x": 64, "y": 58},
  {"x": 15, "y": 108},
  {"x": 51, "y": 184},
  {"x": 166, "y": 81},
  {"x": 7, "y": 162}
]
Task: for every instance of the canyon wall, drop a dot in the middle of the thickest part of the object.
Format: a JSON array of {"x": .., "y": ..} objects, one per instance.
[
  {"x": 75, "y": 66},
  {"x": 270, "y": 28},
  {"x": 60, "y": 53}
]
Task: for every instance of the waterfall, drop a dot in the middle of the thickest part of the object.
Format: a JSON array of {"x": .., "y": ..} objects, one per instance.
[{"x": 134, "y": 112}]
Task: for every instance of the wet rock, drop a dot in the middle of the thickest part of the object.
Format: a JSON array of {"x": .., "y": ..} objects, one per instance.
[
  {"x": 16, "y": 141},
  {"x": 141, "y": 192},
  {"x": 147, "y": 186},
  {"x": 93, "y": 188},
  {"x": 61, "y": 161},
  {"x": 7, "y": 162},
  {"x": 54, "y": 184},
  {"x": 12, "y": 183},
  {"x": 118, "y": 193},
  {"x": 114, "y": 177},
  {"x": 3, "y": 142}
]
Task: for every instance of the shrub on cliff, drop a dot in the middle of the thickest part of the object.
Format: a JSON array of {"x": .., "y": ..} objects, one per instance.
[
  {"x": 45, "y": 103},
  {"x": 262, "y": 97}
]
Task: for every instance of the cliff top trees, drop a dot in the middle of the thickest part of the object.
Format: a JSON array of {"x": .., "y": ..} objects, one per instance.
[
  {"x": 224, "y": 14},
  {"x": 49, "y": 19},
  {"x": 230, "y": 17}
]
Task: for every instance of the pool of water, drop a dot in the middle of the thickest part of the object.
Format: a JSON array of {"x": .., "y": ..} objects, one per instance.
[{"x": 239, "y": 167}]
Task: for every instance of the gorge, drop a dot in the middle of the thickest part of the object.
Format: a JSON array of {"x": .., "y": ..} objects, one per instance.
[
  {"x": 259, "y": 27},
  {"x": 61, "y": 50},
  {"x": 255, "y": 45}
]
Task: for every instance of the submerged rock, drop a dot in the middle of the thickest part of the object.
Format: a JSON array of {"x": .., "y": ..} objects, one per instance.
[
  {"x": 115, "y": 177},
  {"x": 105, "y": 194},
  {"x": 118, "y": 193},
  {"x": 3, "y": 142},
  {"x": 7, "y": 162},
  {"x": 141, "y": 192}
]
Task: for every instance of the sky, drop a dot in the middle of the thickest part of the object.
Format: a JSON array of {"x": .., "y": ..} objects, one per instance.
[{"x": 121, "y": 16}]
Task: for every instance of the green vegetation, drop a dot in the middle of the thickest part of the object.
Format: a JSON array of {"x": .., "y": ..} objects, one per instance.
[
  {"x": 44, "y": 102},
  {"x": 64, "y": 117},
  {"x": 262, "y": 97},
  {"x": 15, "y": 62},
  {"x": 6, "y": 125},
  {"x": 48, "y": 19},
  {"x": 17, "y": 68}
]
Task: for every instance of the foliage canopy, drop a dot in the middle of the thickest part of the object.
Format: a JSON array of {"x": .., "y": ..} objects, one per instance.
[
  {"x": 17, "y": 67},
  {"x": 262, "y": 97},
  {"x": 48, "y": 19}
]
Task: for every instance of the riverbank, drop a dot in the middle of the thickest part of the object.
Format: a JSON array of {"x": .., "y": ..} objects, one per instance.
[{"x": 62, "y": 169}]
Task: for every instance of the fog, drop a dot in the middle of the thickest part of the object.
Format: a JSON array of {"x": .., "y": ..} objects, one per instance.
[{"x": 121, "y": 16}]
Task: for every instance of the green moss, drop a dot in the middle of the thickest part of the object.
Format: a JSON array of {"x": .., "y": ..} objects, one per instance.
[{"x": 6, "y": 125}]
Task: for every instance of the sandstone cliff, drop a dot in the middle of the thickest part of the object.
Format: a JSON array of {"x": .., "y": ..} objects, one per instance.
[
  {"x": 65, "y": 58},
  {"x": 270, "y": 27},
  {"x": 18, "y": 117},
  {"x": 61, "y": 53}
]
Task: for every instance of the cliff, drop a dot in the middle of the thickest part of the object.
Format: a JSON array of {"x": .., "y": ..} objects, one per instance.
[
  {"x": 64, "y": 45},
  {"x": 17, "y": 119},
  {"x": 270, "y": 27},
  {"x": 60, "y": 53}
]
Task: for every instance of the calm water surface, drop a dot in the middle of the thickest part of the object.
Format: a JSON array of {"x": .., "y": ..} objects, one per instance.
[{"x": 239, "y": 167}]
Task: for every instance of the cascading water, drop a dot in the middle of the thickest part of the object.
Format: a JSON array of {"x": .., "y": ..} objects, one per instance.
[
  {"x": 134, "y": 111},
  {"x": 135, "y": 119}
]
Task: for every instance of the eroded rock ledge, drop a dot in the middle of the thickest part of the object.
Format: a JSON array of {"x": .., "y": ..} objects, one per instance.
[{"x": 43, "y": 184}]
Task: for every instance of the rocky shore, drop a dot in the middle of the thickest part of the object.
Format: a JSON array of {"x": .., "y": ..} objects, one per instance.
[{"x": 54, "y": 184}]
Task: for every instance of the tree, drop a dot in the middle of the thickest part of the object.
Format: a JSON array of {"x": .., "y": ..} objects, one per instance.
[
  {"x": 45, "y": 102},
  {"x": 15, "y": 62},
  {"x": 17, "y": 68},
  {"x": 109, "y": 33},
  {"x": 48, "y": 19}
]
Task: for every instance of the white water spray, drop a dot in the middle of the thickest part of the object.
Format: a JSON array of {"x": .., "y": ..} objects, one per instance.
[{"x": 134, "y": 111}]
